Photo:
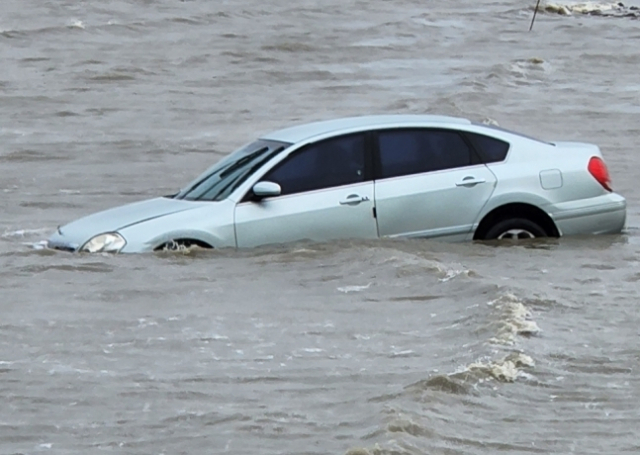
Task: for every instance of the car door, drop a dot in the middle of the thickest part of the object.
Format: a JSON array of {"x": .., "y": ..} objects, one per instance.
[
  {"x": 429, "y": 183},
  {"x": 327, "y": 193}
]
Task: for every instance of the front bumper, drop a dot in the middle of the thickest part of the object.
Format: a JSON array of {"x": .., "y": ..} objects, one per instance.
[{"x": 56, "y": 242}]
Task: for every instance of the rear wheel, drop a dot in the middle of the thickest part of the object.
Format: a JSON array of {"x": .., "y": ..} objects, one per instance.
[{"x": 515, "y": 229}]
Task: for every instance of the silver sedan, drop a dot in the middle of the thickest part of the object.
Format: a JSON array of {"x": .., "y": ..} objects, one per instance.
[{"x": 368, "y": 177}]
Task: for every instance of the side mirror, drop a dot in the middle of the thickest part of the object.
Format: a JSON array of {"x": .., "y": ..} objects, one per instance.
[{"x": 266, "y": 189}]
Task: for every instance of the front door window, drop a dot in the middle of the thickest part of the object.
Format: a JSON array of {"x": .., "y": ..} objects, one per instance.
[{"x": 330, "y": 163}]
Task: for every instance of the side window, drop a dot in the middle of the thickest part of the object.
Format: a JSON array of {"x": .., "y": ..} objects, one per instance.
[
  {"x": 491, "y": 150},
  {"x": 332, "y": 162},
  {"x": 413, "y": 151}
]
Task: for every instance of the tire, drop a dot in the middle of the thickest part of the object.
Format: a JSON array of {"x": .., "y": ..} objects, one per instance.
[
  {"x": 181, "y": 245},
  {"x": 515, "y": 229}
]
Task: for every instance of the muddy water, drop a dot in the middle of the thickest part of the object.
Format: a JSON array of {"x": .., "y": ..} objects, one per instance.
[{"x": 381, "y": 347}]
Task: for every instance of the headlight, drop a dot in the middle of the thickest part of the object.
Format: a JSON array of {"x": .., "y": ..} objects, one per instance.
[{"x": 111, "y": 242}]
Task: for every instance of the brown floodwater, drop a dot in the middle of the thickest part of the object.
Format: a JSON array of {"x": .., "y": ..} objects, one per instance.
[{"x": 376, "y": 347}]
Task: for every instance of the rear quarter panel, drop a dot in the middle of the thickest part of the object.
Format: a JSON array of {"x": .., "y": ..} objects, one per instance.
[
  {"x": 527, "y": 159},
  {"x": 518, "y": 176}
]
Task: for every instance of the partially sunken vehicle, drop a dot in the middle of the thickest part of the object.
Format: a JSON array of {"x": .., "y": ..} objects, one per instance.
[{"x": 367, "y": 177}]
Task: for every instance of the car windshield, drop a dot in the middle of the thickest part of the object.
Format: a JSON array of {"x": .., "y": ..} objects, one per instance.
[{"x": 227, "y": 174}]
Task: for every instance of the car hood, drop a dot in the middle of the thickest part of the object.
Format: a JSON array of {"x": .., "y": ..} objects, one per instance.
[{"x": 76, "y": 233}]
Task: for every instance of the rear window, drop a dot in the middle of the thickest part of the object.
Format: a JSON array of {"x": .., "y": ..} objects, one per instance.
[{"x": 491, "y": 150}]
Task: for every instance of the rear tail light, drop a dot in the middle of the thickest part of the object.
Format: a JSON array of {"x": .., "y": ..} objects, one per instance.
[{"x": 599, "y": 170}]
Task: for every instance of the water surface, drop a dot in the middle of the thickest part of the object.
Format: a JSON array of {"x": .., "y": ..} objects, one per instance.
[{"x": 403, "y": 347}]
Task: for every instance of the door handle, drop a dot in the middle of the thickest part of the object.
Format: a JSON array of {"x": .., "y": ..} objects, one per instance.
[
  {"x": 470, "y": 181},
  {"x": 354, "y": 199}
]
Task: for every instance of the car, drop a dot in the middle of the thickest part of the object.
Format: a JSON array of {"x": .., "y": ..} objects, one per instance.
[{"x": 367, "y": 177}]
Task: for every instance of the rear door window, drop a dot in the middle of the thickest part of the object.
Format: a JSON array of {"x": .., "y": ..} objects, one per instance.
[
  {"x": 491, "y": 150},
  {"x": 414, "y": 151}
]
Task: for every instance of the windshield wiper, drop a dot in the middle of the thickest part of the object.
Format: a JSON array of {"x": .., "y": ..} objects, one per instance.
[
  {"x": 242, "y": 161},
  {"x": 224, "y": 171}
]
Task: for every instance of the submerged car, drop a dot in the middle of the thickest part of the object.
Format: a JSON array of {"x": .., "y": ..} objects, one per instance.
[{"x": 368, "y": 177}]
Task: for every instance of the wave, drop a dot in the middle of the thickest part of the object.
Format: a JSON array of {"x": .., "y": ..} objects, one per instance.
[
  {"x": 611, "y": 9},
  {"x": 408, "y": 429}
]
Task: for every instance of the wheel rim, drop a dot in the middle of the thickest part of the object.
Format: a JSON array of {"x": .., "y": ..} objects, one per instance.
[
  {"x": 172, "y": 245},
  {"x": 516, "y": 234}
]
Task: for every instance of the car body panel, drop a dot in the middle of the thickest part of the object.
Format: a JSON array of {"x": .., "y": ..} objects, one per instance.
[
  {"x": 605, "y": 214},
  {"x": 421, "y": 205},
  {"x": 77, "y": 233},
  {"x": 338, "y": 213},
  {"x": 208, "y": 222},
  {"x": 579, "y": 206}
]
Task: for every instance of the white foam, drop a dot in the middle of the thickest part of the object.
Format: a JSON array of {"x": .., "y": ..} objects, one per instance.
[
  {"x": 76, "y": 23},
  {"x": 41, "y": 245},
  {"x": 302, "y": 251},
  {"x": 515, "y": 319},
  {"x": 569, "y": 8},
  {"x": 507, "y": 369},
  {"x": 453, "y": 273},
  {"x": 490, "y": 121},
  {"x": 20, "y": 233},
  {"x": 354, "y": 288},
  {"x": 405, "y": 353}
]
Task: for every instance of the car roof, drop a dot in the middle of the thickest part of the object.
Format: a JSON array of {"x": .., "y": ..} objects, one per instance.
[{"x": 306, "y": 131}]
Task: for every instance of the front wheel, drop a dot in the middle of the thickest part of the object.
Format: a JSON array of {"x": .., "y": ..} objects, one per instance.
[
  {"x": 515, "y": 229},
  {"x": 181, "y": 245}
]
